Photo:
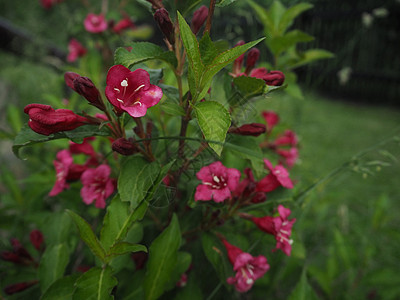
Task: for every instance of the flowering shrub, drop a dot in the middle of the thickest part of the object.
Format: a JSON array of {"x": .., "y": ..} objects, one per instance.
[{"x": 164, "y": 168}]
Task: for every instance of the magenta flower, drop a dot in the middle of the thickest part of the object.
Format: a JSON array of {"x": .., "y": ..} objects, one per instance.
[
  {"x": 271, "y": 118},
  {"x": 97, "y": 185},
  {"x": 218, "y": 182},
  {"x": 124, "y": 24},
  {"x": 45, "y": 120},
  {"x": 95, "y": 23},
  {"x": 290, "y": 156},
  {"x": 278, "y": 176},
  {"x": 253, "y": 129},
  {"x": 247, "y": 188},
  {"x": 273, "y": 78},
  {"x": 247, "y": 267},
  {"x": 75, "y": 50},
  {"x": 289, "y": 138},
  {"x": 131, "y": 91},
  {"x": 62, "y": 165},
  {"x": 280, "y": 227}
]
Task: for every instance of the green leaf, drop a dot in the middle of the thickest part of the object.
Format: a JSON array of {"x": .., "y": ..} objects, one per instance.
[
  {"x": 136, "y": 178},
  {"x": 264, "y": 17},
  {"x": 213, "y": 249},
  {"x": 186, "y": 6},
  {"x": 142, "y": 51},
  {"x": 249, "y": 86},
  {"x": 27, "y": 136},
  {"x": 290, "y": 14},
  {"x": 117, "y": 214},
  {"x": 223, "y": 3},
  {"x": 303, "y": 290},
  {"x": 214, "y": 121},
  {"x": 52, "y": 265},
  {"x": 276, "y": 12},
  {"x": 62, "y": 289},
  {"x": 163, "y": 255},
  {"x": 191, "y": 45},
  {"x": 122, "y": 248},
  {"x": 87, "y": 235},
  {"x": 312, "y": 55},
  {"x": 208, "y": 50},
  {"x": 280, "y": 44},
  {"x": 95, "y": 284},
  {"x": 182, "y": 265},
  {"x": 14, "y": 117},
  {"x": 172, "y": 108}
]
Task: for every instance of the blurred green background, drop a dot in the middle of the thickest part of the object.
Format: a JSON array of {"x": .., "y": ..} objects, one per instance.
[{"x": 349, "y": 226}]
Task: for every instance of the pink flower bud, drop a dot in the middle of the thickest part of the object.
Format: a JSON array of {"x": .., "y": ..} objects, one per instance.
[
  {"x": 164, "y": 22},
  {"x": 43, "y": 119},
  {"x": 199, "y": 17},
  {"x": 36, "y": 238},
  {"x": 19, "y": 287},
  {"x": 237, "y": 64},
  {"x": 252, "y": 58},
  {"x": 274, "y": 78},
  {"x": 124, "y": 147},
  {"x": 95, "y": 23},
  {"x": 253, "y": 129}
]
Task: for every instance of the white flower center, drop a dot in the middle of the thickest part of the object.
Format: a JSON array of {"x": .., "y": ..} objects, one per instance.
[{"x": 124, "y": 83}]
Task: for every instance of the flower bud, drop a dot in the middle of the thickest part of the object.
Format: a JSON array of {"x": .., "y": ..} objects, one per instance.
[
  {"x": 124, "y": 147},
  {"x": 43, "y": 119},
  {"x": 161, "y": 16},
  {"x": 125, "y": 23},
  {"x": 199, "y": 17},
  {"x": 37, "y": 239},
  {"x": 85, "y": 87},
  {"x": 237, "y": 64},
  {"x": 252, "y": 58},
  {"x": 10, "y": 256},
  {"x": 274, "y": 78},
  {"x": 253, "y": 129},
  {"x": 19, "y": 287}
]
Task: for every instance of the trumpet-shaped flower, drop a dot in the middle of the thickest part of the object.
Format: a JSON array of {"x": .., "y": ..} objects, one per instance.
[
  {"x": 131, "y": 91},
  {"x": 278, "y": 176},
  {"x": 95, "y": 23},
  {"x": 218, "y": 182}
]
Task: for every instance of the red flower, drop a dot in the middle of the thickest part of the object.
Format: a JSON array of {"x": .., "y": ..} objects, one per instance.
[
  {"x": 278, "y": 176},
  {"x": 125, "y": 23},
  {"x": 131, "y": 91},
  {"x": 75, "y": 50},
  {"x": 97, "y": 185},
  {"x": 199, "y": 17},
  {"x": 289, "y": 138},
  {"x": 45, "y": 120},
  {"x": 248, "y": 268},
  {"x": 253, "y": 129},
  {"x": 95, "y": 23},
  {"x": 218, "y": 182},
  {"x": 280, "y": 227},
  {"x": 290, "y": 156},
  {"x": 271, "y": 118}
]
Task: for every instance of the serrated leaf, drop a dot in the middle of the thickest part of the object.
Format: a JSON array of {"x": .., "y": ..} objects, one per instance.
[
  {"x": 172, "y": 109},
  {"x": 303, "y": 290},
  {"x": 62, "y": 289},
  {"x": 95, "y": 284},
  {"x": 143, "y": 51},
  {"x": 137, "y": 176},
  {"x": 249, "y": 86},
  {"x": 117, "y": 214},
  {"x": 122, "y": 248},
  {"x": 214, "y": 121},
  {"x": 162, "y": 260},
  {"x": 27, "y": 137},
  {"x": 87, "y": 235},
  {"x": 52, "y": 265},
  {"x": 290, "y": 14},
  {"x": 208, "y": 50}
]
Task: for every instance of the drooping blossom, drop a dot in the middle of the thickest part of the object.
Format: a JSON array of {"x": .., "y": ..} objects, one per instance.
[
  {"x": 280, "y": 227},
  {"x": 218, "y": 182},
  {"x": 124, "y": 24},
  {"x": 253, "y": 129},
  {"x": 199, "y": 17},
  {"x": 247, "y": 267},
  {"x": 75, "y": 50},
  {"x": 95, "y": 23},
  {"x": 277, "y": 177},
  {"x": 131, "y": 91},
  {"x": 46, "y": 120},
  {"x": 97, "y": 185}
]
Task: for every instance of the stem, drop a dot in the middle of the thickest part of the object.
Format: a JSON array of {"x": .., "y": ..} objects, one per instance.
[{"x": 210, "y": 15}]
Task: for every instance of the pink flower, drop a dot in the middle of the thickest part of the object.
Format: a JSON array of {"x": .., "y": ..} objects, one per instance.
[
  {"x": 75, "y": 50},
  {"x": 248, "y": 268},
  {"x": 271, "y": 118},
  {"x": 289, "y": 138},
  {"x": 97, "y": 185},
  {"x": 218, "y": 182},
  {"x": 182, "y": 281},
  {"x": 45, "y": 120},
  {"x": 247, "y": 188},
  {"x": 125, "y": 23},
  {"x": 280, "y": 227},
  {"x": 278, "y": 176},
  {"x": 131, "y": 91},
  {"x": 95, "y": 23},
  {"x": 290, "y": 156}
]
